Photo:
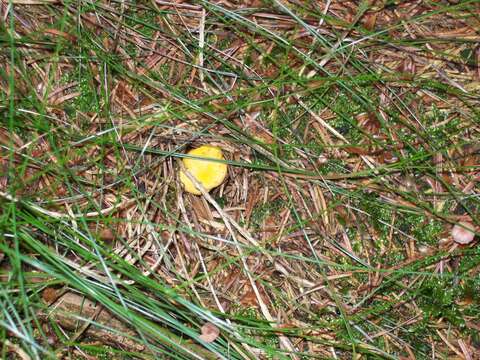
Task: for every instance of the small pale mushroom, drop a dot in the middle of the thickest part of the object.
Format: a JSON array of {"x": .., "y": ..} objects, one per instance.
[
  {"x": 209, "y": 174},
  {"x": 209, "y": 332},
  {"x": 462, "y": 233}
]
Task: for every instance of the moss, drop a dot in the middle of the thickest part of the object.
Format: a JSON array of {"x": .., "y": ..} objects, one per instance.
[
  {"x": 438, "y": 299},
  {"x": 333, "y": 166},
  {"x": 426, "y": 231},
  {"x": 263, "y": 211},
  {"x": 105, "y": 352},
  {"x": 269, "y": 340},
  {"x": 87, "y": 100}
]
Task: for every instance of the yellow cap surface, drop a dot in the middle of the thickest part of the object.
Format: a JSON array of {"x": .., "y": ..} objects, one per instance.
[{"x": 209, "y": 173}]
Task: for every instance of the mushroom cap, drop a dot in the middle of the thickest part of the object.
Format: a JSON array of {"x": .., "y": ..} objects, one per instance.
[
  {"x": 462, "y": 233},
  {"x": 209, "y": 173}
]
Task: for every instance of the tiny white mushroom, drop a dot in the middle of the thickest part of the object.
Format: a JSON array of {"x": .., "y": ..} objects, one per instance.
[{"x": 462, "y": 233}]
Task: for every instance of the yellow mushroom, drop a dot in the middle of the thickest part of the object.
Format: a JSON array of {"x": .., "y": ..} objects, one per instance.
[{"x": 208, "y": 173}]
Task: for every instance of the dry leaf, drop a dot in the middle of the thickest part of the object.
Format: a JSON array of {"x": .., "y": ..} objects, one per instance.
[
  {"x": 49, "y": 295},
  {"x": 356, "y": 150},
  {"x": 106, "y": 234},
  {"x": 370, "y": 20},
  {"x": 249, "y": 299},
  {"x": 63, "y": 34}
]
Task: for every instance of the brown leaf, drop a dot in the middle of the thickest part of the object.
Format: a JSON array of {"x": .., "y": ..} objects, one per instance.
[
  {"x": 209, "y": 332},
  {"x": 369, "y": 122},
  {"x": 388, "y": 157},
  {"x": 370, "y": 20},
  {"x": 478, "y": 62},
  {"x": 249, "y": 299},
  {"x": 63, "y": 34},
  {"x": 356, "y": 150},
  {"x": 106, "y": 234},
  {"x": 49, "y": 295}
]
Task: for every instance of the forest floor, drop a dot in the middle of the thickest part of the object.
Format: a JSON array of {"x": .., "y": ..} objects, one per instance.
[{"x": 351, "y": 133}]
